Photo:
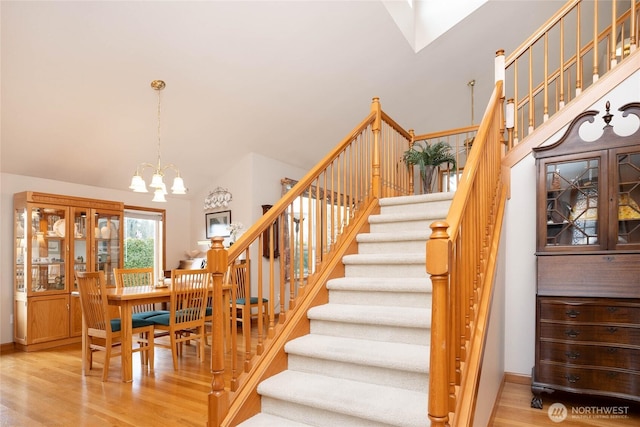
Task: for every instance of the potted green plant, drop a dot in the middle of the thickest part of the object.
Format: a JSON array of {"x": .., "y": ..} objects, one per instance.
[{"x": 429, "y": 157}]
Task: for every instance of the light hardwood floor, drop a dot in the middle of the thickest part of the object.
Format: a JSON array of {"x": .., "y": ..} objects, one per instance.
[{"x": 47, "y": 388}]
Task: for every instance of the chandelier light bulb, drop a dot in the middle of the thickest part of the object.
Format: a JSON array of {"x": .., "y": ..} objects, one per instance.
[{"x": 158, "y": 196}]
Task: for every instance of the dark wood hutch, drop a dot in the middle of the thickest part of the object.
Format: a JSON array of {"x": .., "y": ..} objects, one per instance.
[{"x": 588, "y": 261}]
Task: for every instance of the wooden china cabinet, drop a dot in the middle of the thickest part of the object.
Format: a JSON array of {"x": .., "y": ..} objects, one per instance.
[
  {"x": 588, "y": 260},
  {"x": 54, "y": 236}
]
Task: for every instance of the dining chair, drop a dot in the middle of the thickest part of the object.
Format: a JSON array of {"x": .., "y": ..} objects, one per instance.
[
  {"x": 185, "y": 321},
  {"x": 138, "y": 277},
  {"x": 239, "y": 278},
  {"x": 102, "y": 330}
]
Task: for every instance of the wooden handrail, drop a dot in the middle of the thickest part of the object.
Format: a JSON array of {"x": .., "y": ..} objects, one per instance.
[{"x": 460, "y": 256}]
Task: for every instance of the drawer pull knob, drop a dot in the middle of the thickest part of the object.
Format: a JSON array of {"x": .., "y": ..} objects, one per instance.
[
  {"x": 612, "y": 374},
  {"x": 573, "y": 313},
  {"x": 572, "y": 378},
  {"x": 571, "y": 333},
  {"x": 572, "y": 354},
  {"x": 612, "y": 349},
  {"x": 612, "y": 309},
  {"x": 612, "y": 329}
]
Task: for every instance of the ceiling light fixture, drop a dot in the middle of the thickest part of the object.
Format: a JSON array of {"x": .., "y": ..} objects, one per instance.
[
  {"x": 157, "y": 180},
  {"x": 218, "y": 198}
]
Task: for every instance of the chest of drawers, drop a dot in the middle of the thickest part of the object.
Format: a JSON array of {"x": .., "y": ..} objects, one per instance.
[{"x": 587, "y": 345}]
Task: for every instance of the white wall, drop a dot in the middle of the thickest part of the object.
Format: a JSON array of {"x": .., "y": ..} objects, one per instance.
[
  {"x": 492, "y": 371},
  {"x": 520, "y": 274}
]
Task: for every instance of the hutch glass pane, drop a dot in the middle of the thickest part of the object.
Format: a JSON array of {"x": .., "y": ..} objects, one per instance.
[
  {"x": 20, "y": 248},
  {"x": 80, "y": 254},
  {"x": 48, "y": 249},
  {"x": 628, "y": 198},
  {"x": 572, "y": 202},
  {"x": 107, "y": 246}
]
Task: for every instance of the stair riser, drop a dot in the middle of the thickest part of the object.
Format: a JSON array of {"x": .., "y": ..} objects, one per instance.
[
  {"x": 385, "y": 270},
  {"x": 399, "y": 226},
  {"x": 312, "y": 415},
  {"x": 386, "y": 299},
  {"x": 414, "y": 246},
  {"x": 370, "y": 374},
  {"x": 420, "y": 336},
  {"x": 439, "y": 206}
]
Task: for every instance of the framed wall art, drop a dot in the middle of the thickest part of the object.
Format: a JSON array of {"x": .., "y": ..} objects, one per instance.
[{"x": 217, "y": 224}]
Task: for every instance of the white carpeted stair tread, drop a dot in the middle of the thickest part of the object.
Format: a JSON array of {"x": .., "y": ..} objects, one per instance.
[
  {"x": 394, "y": 406},
  {"x": 408, "y": 317},
  {"x": 400, "y": 356},
  {"x": 268, "y": 420},
  {"x": 381, "y": 284},
  {"x": 372, "y": 259}
]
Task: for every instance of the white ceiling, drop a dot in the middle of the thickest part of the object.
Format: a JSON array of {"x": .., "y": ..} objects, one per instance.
[{"x": 285, "y": 79}]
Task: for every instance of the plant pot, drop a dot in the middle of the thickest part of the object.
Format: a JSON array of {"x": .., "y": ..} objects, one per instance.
[{"x": 426, "y": 176}]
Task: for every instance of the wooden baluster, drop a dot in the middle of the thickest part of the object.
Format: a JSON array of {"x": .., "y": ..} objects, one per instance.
[
  {"x": 410, "y": 167},
  {"x": 376, "y": 183},
  {"x": 438, "y": 256},
  {"x": 217, "y": 263}
]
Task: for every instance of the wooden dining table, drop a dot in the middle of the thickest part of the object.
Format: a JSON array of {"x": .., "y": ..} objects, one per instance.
[{"x": 126, "y": 298}]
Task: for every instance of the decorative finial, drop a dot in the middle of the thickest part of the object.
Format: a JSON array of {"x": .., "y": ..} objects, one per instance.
[{"x": 607, "y": 117}]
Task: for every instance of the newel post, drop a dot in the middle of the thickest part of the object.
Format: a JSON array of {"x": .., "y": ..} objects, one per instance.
[
  {"x": 438, "y": 256},
  {"x": 217, "y": 263},
  {"x": 376, "y": 182}
]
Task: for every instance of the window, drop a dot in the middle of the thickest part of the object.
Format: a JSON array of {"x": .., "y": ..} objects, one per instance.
[{"x": 144, "y": 239}]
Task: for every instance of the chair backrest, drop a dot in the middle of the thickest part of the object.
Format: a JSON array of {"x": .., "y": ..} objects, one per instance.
[
  {"x": 135, "y": 277},
  {"x": 128, "y": 277},
  {"x": 189, "y": 294},
  {"x": 238, "y": 276},
  {"x": 93, "y": 300}
]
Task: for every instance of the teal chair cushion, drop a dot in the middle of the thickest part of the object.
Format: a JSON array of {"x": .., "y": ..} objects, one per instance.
[
  {"x": 254, "y": 300},
  {"x": 161, "y": 319},
  {"x": 137, "y": 323},
  {"x": 147, "y": 314}
]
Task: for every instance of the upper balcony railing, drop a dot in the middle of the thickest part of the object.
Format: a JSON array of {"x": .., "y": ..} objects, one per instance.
[{"x": 580, "y": 43}]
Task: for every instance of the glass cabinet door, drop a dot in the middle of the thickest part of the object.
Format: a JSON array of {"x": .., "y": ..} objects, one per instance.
[
  {"x": 572, "y": 203},
  {"x": 627, "y": 220},
  {"x": 47, "y": 248},
  {"x": 20, "y": 248},
  {"x": 107, "y": 235},
  {"x": 80, "y": 253}
]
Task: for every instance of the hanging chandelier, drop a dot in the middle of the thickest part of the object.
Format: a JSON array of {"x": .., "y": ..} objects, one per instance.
[{"x": 157, "y": 180}]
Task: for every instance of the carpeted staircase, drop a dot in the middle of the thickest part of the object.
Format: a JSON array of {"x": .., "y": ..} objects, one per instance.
[{"x": 366, "y": 360}]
